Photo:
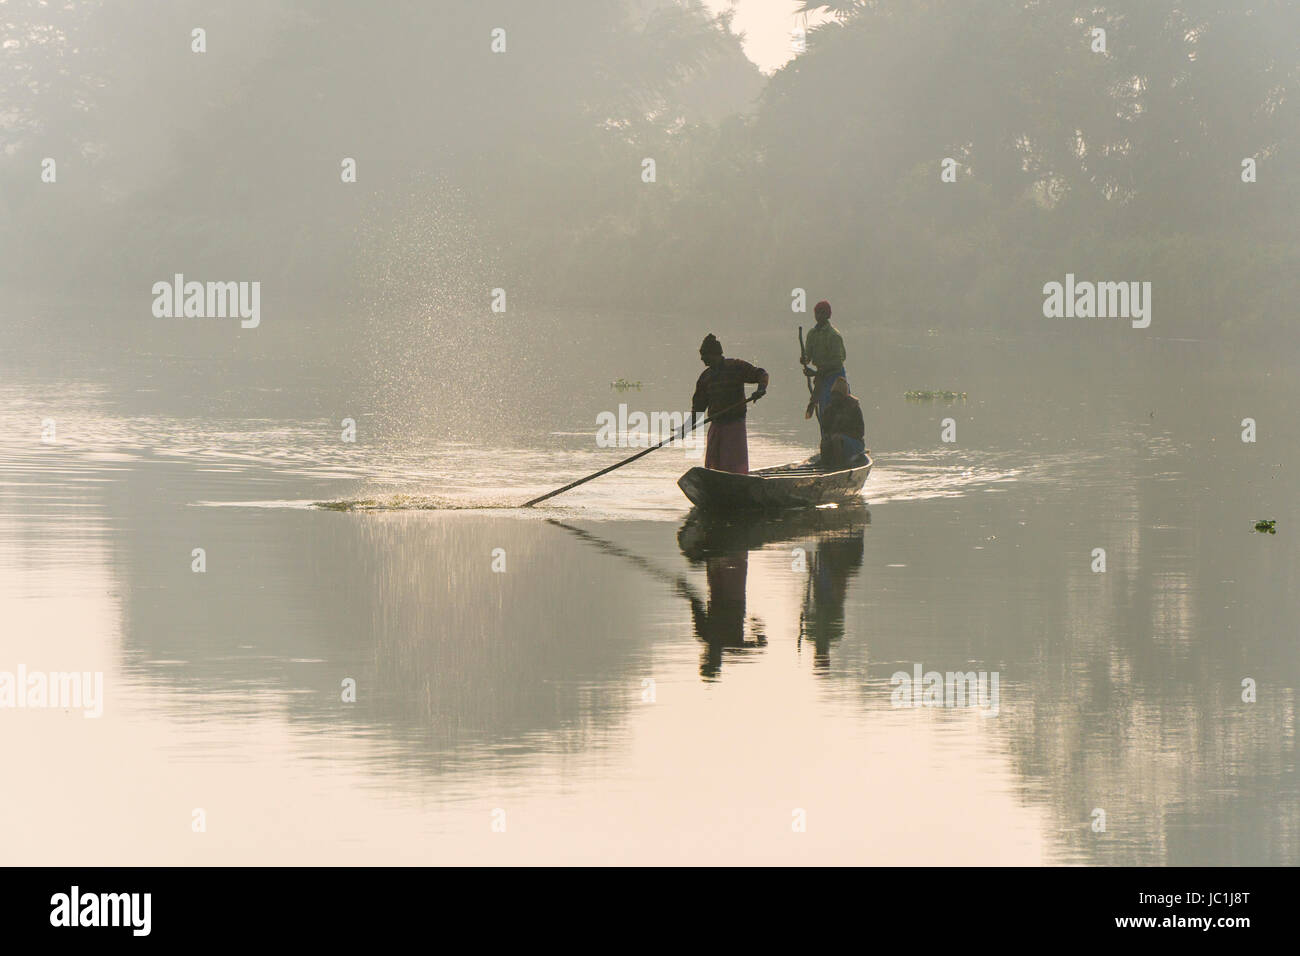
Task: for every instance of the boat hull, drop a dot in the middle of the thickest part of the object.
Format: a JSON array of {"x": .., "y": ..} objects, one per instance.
[{"x": 799, "y": 485}]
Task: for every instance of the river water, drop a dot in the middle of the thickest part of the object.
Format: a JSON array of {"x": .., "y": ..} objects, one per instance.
[{"x": 608, "y": 678}]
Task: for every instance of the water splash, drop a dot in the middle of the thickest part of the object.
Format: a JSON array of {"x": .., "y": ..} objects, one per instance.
[{"x": 414, "y": 502}]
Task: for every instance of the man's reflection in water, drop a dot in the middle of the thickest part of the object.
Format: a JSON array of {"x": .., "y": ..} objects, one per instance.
[
  {"x": 836, "y": 558},
  {"x": 723, "y": 548},
  {"x": 720, "y": 623}
]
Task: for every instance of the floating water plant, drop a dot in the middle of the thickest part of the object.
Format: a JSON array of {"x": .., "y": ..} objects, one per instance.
[
  {"x": 367, "y": 504},
  {"x": 623, "y": 385},
  {"x": 334, "y": 505},
  {"x": 389, "y": 503},
  {"x": 1266, "y": 526},
  {"x": 928, "y": 395}
]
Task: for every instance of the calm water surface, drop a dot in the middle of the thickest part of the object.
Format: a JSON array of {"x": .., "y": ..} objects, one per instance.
[{"x": 641, "y": 685}]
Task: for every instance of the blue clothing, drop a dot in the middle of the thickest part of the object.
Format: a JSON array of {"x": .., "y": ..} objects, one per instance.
[{"x": 822, "y": 387}]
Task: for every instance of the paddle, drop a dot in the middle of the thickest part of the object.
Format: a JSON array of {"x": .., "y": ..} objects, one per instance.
[
  {"x": 803, "y": 360},
  {"x": 678, "y": 582},
  {"x": 686, "y": 426}
]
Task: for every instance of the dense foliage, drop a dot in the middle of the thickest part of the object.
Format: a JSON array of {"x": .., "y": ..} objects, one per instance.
[{"x": 523, "y": 169}]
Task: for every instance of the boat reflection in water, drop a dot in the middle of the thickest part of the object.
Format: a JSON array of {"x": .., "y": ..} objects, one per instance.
[{"x": 832, "y": 542}]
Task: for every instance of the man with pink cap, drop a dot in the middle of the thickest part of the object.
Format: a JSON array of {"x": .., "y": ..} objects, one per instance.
[{"x": 825, "y": 350}]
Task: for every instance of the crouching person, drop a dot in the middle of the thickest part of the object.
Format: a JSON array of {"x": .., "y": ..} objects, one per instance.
[{"x": 843, "y": 431}]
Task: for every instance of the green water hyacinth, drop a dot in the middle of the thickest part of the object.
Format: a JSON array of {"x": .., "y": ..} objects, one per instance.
[
  {"x": 1266, "y": 526},
  {"x": 927, "y": 395},
  {"x": 623, "y": 385},
  {"x": 346, "y": 505}
]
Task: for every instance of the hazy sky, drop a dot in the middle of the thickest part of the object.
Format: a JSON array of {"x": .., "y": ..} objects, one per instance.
[{"x": 766, "y": 25}]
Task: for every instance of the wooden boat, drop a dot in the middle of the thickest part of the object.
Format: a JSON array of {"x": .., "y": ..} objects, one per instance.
[
  {"x": 705, "y": 534},
  {"x": 799, "y": 485}
]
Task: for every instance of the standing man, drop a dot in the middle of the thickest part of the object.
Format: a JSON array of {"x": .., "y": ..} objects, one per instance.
[
  {"x": 824, "y": 349},
  {"x": 720, "y": 387}
]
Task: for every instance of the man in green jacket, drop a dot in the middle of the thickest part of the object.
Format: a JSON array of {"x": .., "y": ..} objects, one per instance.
[{"x": 824, "y": 348}]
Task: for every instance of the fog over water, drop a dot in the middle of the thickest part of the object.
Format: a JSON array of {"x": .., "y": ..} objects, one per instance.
[{"x": 631, "y": 681}]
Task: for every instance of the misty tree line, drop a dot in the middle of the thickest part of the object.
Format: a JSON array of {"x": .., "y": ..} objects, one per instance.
[{"x": 522, "y": 169}]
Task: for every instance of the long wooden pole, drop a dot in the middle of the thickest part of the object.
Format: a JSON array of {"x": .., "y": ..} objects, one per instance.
[
  {"x": 803, "y": 360},
  {"x": 686, "y": 426}
]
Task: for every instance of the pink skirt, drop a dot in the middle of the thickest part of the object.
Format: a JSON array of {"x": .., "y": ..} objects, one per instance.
[{"x": 727, "y": 448}]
